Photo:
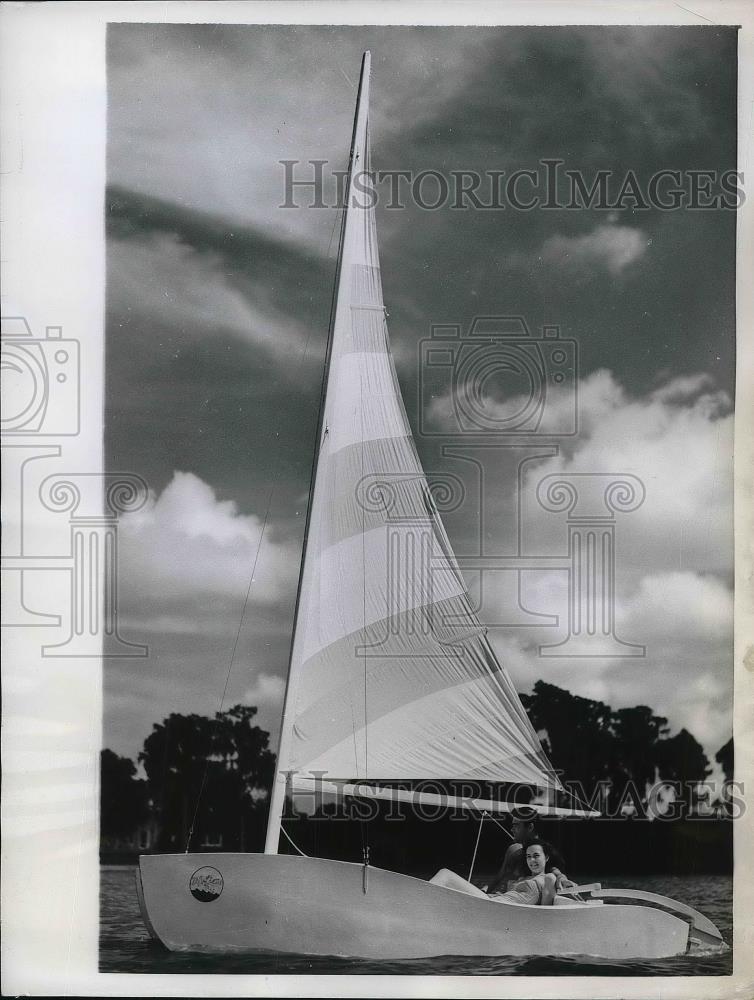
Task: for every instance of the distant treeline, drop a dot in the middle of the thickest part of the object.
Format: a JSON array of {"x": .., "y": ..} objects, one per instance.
[{"x": 207, "y": 782}]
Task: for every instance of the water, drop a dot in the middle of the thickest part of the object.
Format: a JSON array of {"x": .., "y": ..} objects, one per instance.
[{"x": 125, "y": 945}]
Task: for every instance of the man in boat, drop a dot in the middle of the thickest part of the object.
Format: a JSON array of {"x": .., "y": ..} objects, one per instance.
[{"x": 514, "y": 867}]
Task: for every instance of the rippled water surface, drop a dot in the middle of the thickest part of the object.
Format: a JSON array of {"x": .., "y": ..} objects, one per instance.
[{"x": 125, "y": 945}]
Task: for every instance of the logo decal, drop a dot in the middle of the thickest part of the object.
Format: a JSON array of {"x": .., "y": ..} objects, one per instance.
[{"x": 206, "y": 884}]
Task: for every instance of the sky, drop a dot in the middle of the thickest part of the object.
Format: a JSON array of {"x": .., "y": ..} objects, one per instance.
[{"x": 217, "y": 309}]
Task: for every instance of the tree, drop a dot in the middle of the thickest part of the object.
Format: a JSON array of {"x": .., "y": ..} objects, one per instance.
[
  {"x": 637, "y": 733},
  {"x": 575, "y": 733},
  {"x": 209, "y": 777},
  {"x": 724, "y": 758},
  {"x": 123, "y": 797},
  {"x": 681, "y": 758},
  {"x": 628, "y": 748}
]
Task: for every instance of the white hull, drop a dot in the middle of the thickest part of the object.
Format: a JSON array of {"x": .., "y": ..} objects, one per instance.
[{"x": 279, "y": 903}]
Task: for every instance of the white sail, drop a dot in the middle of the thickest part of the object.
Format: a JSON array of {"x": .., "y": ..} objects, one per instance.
[{"x": 391, "y": 674}]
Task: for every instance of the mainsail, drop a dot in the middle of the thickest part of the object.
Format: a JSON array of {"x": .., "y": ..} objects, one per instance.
[{"x": 391, "y": 677}]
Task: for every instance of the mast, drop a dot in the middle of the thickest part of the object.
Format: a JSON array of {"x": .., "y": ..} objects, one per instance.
[{"x": 277, "y": 801}]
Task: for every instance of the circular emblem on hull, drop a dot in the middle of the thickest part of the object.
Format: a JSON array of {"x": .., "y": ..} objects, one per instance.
[{"x": 206, "y": 884}]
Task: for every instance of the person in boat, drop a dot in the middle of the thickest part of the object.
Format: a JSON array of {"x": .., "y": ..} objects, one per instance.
[
  {"x": 514, "y": 867},
  {"x": 540, "y": 887}
]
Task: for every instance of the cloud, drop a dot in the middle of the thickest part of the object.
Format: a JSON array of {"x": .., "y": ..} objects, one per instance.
[
  {"x": 677, "y": 439},
  {"x": 168, "y": 281},
  {"x": 673, "y": 555},
  {"x": 684, "y": 620},
  {"x": 201, "y": 274},
  {"x": 266, "y": 691},
  {"x": 187, "y": 552},
  {"x": 237, "y": 100},
  {"x": 686, "y": 387},
  {"x": 608, "y": 247},
  {"x": 185, "y": 561},
  {"x": 669, "y": 607}
]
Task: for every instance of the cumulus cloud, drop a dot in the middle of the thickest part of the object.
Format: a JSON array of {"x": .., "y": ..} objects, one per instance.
[
  {"x": 668, "y": 607},
  {"x": 673, "y": 555},
  {"x": 685, "y": 622},
  {"x": 608, "y": 248},
  {"x": 187, "y": 552},
  {"x": 686, "y": 387},
  {"x": 678, "y": 441},
  {"x": 267, "y": 690}
]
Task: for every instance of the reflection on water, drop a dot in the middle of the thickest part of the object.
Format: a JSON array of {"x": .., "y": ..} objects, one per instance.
[{"x": 125, "y": 945}]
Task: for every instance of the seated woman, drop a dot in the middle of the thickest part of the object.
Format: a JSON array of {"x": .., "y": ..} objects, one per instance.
[
  {"x": 514, "y": 868},
  {"x": 539, "y": 888}
]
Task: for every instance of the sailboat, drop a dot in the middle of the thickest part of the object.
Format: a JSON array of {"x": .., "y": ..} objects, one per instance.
[{"x": 392, "y": 678}]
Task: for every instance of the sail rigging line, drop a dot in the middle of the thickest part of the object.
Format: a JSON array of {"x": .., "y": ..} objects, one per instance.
[
  {"x": 476, "y": 845},
  {"x": 576, "y": 798},
  {"x": 505, "y": 829},
  {"x": 291, "y": 841},
  {"x": 340, "y": 208}
]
